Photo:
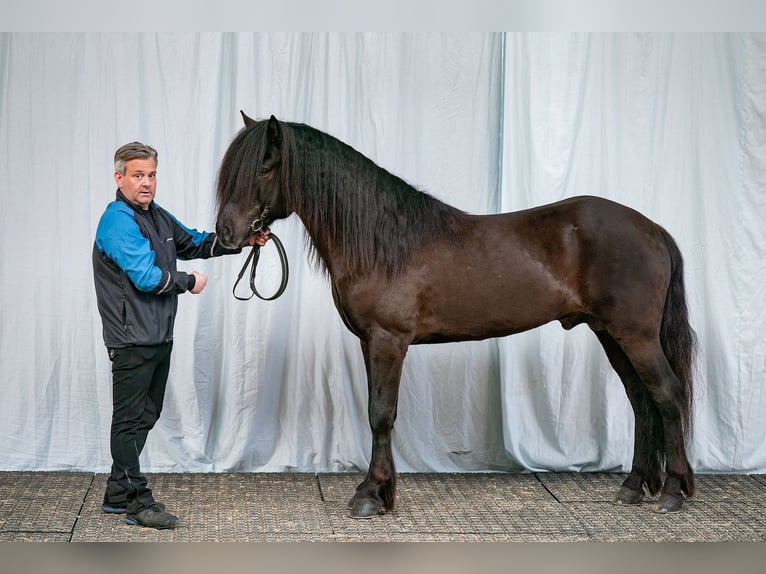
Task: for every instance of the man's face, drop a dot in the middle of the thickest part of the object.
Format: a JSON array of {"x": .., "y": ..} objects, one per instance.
[{"x": 139, "y": 183}]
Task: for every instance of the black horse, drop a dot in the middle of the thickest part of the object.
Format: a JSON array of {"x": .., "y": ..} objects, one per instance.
[{"x": 407, "y": 269}]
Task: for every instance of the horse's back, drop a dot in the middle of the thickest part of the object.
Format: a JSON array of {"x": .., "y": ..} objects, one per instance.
[{"x": 582, "y": 231}]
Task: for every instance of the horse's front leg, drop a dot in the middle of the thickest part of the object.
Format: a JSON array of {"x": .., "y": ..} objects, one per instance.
[{"x": 383, "y": 357}]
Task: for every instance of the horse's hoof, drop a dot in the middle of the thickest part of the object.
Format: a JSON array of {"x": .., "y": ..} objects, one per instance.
[
  {"x": 628, "y": 496},
  {"x": 668, "y": 503},
  {"x": 364, "y": 508}
]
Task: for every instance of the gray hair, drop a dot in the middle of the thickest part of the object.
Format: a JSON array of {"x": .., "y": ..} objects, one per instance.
[{"x": 134, "y": 150}]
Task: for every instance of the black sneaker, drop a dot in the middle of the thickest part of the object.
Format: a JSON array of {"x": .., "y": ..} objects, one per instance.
[
  {"x": 122, "y": 508},
  {"x": 152, "y": 517}
]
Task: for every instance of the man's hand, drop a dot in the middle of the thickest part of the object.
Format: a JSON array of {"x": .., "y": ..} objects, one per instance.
[
  {"x": 260, "y": 238},
  {"x": 200, "y": 281}
]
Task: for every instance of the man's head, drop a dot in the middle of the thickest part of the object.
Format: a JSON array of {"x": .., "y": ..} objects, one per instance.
[{"x": 135, "y": 171}]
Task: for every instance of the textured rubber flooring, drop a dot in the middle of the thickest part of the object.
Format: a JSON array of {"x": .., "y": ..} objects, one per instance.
[{"x": 296, "y": 507}]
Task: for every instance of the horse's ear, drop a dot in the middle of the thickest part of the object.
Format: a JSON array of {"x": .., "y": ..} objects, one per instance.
[
  {"x": 248, "y": 121},
  {"x": 275, "y": 132}
]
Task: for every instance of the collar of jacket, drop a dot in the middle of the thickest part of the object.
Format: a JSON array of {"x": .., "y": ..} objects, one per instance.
[{"x": 119, "y": 196}]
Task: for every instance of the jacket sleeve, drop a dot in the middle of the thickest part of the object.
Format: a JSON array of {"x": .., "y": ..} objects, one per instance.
[
  {"x": 194, "y": 244},
  {"x": 119, "y": 237}
]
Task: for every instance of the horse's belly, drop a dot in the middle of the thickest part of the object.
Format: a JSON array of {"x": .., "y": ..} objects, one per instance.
[{"x": 482, "y": 313}]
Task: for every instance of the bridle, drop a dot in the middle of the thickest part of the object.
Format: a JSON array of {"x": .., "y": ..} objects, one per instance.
[{"x": 256, "y": 226}]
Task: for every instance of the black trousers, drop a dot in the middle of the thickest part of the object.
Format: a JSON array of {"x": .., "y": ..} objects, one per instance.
[{"x": 139, "y": 377}]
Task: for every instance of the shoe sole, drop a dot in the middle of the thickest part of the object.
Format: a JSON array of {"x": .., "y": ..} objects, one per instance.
[
  {"x": 119, "y": 509},
  {"x": 133, "y": 522}
]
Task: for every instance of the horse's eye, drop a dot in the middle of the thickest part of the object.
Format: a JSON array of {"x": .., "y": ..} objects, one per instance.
[{"x": 264, "y": 171}]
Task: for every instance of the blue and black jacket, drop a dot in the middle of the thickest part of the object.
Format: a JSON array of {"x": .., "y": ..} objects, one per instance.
[{"x": 134, "y": 269}]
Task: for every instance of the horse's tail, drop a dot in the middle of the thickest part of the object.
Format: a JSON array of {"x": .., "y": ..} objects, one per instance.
[{"x": 678, "y": 339}]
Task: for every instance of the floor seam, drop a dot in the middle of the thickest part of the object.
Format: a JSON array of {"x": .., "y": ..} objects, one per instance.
[{"x": 82, "y": 507}]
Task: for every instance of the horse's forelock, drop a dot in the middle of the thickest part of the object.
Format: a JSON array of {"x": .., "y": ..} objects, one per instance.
[{"x": 239, "y": 168}]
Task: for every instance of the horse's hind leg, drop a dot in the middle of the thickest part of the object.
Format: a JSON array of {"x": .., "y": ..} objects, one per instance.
[
  {"x": 648, "y": 435},
  {"x": 651, "y": 365},
  {"x": 383, "y": 357}
]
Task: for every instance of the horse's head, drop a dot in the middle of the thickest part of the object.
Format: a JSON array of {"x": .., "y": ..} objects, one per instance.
[{"x": 250, "y": 180}]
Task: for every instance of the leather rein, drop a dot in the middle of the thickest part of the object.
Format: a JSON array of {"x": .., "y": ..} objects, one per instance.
[{"x": 256, "y": 226}]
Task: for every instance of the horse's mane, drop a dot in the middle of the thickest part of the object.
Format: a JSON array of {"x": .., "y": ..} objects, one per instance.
[{"x": 347, "y": 203}]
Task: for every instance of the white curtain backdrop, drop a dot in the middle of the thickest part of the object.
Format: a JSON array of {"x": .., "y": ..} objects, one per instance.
[{"x": 672, "y": 125}]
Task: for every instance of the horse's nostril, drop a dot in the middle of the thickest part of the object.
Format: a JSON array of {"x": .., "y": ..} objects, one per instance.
[{"x": 225, "y": 234}]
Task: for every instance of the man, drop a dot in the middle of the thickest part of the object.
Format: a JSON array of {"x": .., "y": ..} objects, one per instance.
[{"x": 137, "y": 287}]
